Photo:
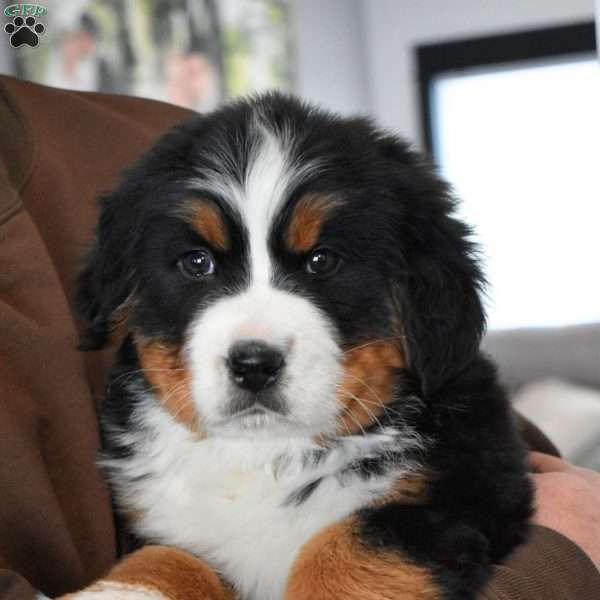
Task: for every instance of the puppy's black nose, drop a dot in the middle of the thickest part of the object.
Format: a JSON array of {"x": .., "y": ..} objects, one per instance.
[{"x": 254, "y": 365}]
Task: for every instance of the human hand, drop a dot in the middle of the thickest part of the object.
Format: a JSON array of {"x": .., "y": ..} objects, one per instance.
[{"x": 568, "y": 501}]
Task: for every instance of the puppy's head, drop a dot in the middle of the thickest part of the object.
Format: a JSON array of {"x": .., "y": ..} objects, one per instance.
[{"x": 278, "y": 268}]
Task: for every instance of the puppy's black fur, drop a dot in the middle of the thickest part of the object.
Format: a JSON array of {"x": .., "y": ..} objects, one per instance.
[{"x": 409, "y": 269}]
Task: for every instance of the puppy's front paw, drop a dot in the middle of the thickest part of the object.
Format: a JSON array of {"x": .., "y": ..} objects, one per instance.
[
  {"x": 157, "y": 573},
  {"x": 106, "y": 590}
]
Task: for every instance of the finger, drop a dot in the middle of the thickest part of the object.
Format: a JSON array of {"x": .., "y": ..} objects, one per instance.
[{"x": 544, "y": 463}]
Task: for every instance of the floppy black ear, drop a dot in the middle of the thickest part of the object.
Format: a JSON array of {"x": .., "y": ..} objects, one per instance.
[
  {"x": 105, "y": 283},
  {"x": 440, "y": 281},
  {"x": 442, "y": 313}
]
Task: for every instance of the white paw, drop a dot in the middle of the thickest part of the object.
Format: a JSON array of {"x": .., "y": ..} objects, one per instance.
[{"x": 117, "y": 591}]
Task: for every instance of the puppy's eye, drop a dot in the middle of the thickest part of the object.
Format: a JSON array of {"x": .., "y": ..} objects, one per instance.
[
  {"x": 322, "y": 262},
  {"x": 196, "y": 264}
]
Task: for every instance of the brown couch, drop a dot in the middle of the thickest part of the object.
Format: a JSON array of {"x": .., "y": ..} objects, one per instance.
[{"x": 58, "y": 151}]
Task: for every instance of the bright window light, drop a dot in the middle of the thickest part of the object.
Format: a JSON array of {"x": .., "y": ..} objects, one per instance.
[{"x": 521, "y": 148}]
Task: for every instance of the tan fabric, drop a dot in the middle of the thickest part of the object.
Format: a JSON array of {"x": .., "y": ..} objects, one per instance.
[
  {"x": 58, "y": 151},
  {"x": 548, "y": 567}
]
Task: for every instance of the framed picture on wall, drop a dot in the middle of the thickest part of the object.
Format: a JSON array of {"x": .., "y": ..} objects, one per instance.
[{"x": 193, "y": 53}]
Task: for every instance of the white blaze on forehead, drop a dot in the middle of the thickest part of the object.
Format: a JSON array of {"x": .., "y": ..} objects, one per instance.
[
  {"x": 260, "y": 196},
  {"x": 267, "y": 183}
]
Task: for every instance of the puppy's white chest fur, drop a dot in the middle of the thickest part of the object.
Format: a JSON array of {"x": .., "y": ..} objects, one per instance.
[{"x": 244, "y": 506}]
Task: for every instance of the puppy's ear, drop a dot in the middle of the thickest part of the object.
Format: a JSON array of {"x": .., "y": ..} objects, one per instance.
[
  {"x": 442, "y": 314},
  {"x": 439, "y": 281},
  {"x": 105, "y": 283}
]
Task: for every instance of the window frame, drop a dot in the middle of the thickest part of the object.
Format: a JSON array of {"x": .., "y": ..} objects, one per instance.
[{"x": 441, "y": 58}]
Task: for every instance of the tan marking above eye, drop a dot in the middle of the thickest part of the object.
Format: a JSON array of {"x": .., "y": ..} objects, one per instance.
[
  {"x": 166, "y": 372},
  {"x": 307, "y": 221},
  {"x": 206, "y": 218},
  {"x": 368, "y": 383}
]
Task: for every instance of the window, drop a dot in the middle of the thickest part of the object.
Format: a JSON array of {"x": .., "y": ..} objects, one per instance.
[{"x": 514, "y": 123}]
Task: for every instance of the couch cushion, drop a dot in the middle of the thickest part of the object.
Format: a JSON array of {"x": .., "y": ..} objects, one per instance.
[
  {"x": 571, "y": 353},
  {"x": 569, "y": 414},
  {"x": 58, "y": 151}
]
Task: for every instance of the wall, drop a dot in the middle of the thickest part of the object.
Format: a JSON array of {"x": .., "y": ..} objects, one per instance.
[
  {"x": 330, "y": 53},
  {"x": 598, "y": 26},
  {"x": 394, "y": 27}
]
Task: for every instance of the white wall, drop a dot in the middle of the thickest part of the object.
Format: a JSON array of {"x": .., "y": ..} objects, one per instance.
[
  {"x": 356, "y": 56},
  {"x": 330, "y": 53},
  {"x": 394, "y": 27}
]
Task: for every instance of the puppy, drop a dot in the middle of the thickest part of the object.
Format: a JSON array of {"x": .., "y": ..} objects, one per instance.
[{"x": 299, "y": 401}]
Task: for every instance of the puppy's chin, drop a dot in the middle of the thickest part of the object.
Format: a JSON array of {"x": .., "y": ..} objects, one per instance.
[{"x": 259, "y": 423}]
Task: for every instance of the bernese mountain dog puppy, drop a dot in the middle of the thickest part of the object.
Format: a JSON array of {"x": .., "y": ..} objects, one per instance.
[{"x": 299, "y": 401}]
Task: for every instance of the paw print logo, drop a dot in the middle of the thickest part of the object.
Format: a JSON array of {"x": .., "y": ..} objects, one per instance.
[{"x": 24, "y": 31}]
